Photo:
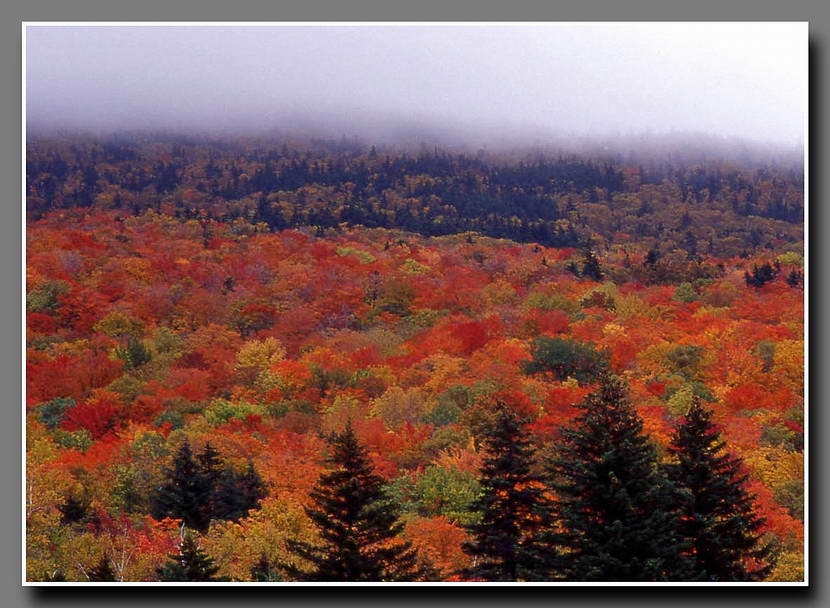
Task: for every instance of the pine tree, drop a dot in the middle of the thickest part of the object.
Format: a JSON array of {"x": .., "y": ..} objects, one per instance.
[
  {"x": 613, "y": 500},
  {"x": 187, "y": 493},
  {"x": 102, "y": 572},
  {"x": 189, "y": 564},
  {"x": 358, "y": 528},
  {"x": 507, "y": 543},
  {"x": 717, "y": 515}
]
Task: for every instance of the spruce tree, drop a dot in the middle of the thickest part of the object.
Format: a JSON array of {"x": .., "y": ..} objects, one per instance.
[
  {"x": 187, "y": 492},
  {"x": 210, "y": 465},
  {"x": 236, "y": 494},
  {"x": 613, "y": 500},
  {"x": 199, "y": 489},
  {"x": 717, "y": 516},
  {"x": 507, "y": 541},
  {"x": 189, "y": 564},
  {"x": 358, "y": 528}
]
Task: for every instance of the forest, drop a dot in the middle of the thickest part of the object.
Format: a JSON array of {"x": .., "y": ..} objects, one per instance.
[
  {"x": 718, "y": 208},
  {"x": 276, "y": 361}
]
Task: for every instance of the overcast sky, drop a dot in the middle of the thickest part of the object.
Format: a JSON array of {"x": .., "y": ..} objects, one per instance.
[{"x": 745, "y": 80}]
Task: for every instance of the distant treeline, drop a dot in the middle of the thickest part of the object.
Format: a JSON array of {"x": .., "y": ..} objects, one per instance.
[{"x": 556, "y": 200}]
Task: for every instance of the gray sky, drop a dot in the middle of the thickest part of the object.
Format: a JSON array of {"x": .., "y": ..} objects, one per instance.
[{"x": 744, "y": 80}]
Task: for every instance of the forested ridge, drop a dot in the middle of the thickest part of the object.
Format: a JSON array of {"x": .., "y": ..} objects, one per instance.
[
  {"x": 717, "y": 208},
  {"x": 328, "y": 361}
]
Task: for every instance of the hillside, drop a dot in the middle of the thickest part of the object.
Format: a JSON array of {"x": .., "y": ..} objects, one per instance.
[
  {"x": 145, "y": 330},
  {"x": 667, "y": 201}
]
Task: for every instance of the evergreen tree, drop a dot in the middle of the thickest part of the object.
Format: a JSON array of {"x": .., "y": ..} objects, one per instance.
[
  {"x": 564, "y": 358},
  {"x": 187, "y": 492},
  {"x": 760, "y": 276},
  {"x": 199, "y": 490},
  {"x": 717, "y": 516},
  {"x": 651, "y": 257},
  {"x": 236, "y": 494},
  {"x": 210, "y": 466},
  {"x": 74, "y": 509},
  {"x": 613, "y": 500},
  {"x": 189, "y": 564},
  {"x": 102, "y": 572},
  {"x": 506, "y": 543},
  {"x": 573, "y": 268},
  {"x": 358, "y": 529},
  {"x": 135, "y": 354},
  {"x": 591, "y": 267},
  {"x": 795, "y": 277}
]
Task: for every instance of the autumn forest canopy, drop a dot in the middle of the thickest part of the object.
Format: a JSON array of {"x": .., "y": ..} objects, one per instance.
[
  {"x": 556, "y": 199},
  {"x": 288, "y": 359}
]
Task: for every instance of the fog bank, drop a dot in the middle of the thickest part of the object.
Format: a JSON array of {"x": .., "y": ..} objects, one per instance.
[{"x": 481, "y": 85}]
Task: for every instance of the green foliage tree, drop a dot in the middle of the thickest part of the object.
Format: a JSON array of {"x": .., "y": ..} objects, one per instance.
[
  {"x": 717, "y": 517},
  {"x": 437, "y": 491},
  {"x": 187, "y": 491},
  {"x": 613, "y": 500},
  {"x": 507, "y": 541},
  {"x": 199, "y": 489},
  {"x": 236, "y": 494},
  {"x": 685, "y": 293},
  {"x": 210, "y": 466},
  {"x": 190, "y": 564},
  {"x": 565, "y": 358},
  {"x": 52, "y": 412},
  {"x": 685, "y": 360},
  {"x": 760, "y": 275},
  {"x": 591, "y": 267},
  {"x": 358, "y": 529},
  {"x": 790, "y": 495},
  {"x": 46, "y": 297},
  {"x": 765, "y": 351},
  {"x": 134, "y": 354}
]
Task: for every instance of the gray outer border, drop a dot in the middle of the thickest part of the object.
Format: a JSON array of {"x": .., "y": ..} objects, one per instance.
[{"x": 12, "y": 12}]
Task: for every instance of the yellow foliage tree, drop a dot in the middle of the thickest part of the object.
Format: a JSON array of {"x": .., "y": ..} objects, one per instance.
[{"x": 398, "y": 406}]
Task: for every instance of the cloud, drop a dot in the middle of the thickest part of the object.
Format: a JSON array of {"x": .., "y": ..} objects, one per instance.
[{"x": 728, "y": 79}]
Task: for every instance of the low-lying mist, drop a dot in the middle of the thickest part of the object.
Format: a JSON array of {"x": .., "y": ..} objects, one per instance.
[
  {"x": 495, "y": 141},
  {"x": 728, "y": 89}
]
